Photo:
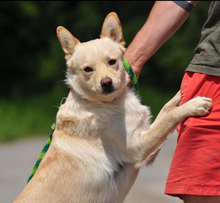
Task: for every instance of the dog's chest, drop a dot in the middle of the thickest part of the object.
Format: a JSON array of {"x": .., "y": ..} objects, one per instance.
[
  {"x": 119, "y": 123},
  {"x": 119, "y": 119}
]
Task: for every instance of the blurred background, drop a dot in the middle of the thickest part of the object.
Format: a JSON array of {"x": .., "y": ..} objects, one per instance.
[{"x": 33, "y": 66}]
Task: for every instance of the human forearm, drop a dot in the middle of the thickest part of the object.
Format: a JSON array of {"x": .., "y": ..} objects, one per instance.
[{"x": 164, "y": 20}]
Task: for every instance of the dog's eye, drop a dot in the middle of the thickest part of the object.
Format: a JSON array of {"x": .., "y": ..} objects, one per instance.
[
  {"x": 112, "y": 62},
  {"x": 88, "y": 69}
]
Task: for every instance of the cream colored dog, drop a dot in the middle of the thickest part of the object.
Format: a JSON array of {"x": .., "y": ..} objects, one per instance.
[{"x": 103, "y": 134}]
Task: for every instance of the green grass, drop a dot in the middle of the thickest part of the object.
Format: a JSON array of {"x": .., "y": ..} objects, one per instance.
[{"x": 32, "y": 117}]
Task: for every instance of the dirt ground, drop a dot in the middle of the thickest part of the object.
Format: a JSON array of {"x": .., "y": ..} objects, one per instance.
[{"x": 18, "y": 158}]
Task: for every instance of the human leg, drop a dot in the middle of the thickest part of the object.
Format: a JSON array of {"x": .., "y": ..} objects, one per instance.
[{"x": 200, "y": 199}]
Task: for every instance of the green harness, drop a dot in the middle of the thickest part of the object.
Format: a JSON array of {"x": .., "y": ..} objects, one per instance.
[{"x": 134, "y": 83}]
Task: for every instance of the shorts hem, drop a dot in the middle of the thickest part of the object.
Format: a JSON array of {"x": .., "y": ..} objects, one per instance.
[{"x": 178, "y": 191}]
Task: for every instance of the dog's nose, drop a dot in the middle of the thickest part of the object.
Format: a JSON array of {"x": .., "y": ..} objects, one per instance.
[{"x": 107, "y": 85}]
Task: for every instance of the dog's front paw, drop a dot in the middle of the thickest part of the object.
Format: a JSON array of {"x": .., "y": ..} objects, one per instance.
[{"x": 199, "y": 106}]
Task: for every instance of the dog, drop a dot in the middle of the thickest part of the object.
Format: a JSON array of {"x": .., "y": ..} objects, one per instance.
[{"x": 103, "y": 133}]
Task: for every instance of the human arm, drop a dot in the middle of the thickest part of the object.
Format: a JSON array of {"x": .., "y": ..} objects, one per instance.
[{"x": 165, "y": 18}]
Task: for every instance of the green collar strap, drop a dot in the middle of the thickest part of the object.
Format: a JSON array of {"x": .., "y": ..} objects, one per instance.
[{"x": 132, "y": 76}]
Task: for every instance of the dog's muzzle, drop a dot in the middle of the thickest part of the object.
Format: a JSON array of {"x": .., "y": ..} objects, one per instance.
[{"x": 107, "y": 85}]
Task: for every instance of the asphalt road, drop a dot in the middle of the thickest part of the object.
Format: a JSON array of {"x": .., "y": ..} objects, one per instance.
[{"x": 18, "y": 158}]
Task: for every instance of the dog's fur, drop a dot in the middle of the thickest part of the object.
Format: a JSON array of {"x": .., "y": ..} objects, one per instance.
[{"x": 103, "y": 133}]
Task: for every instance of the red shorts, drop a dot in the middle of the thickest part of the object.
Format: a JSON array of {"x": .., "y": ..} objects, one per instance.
[{"x": 195, "y": 167}]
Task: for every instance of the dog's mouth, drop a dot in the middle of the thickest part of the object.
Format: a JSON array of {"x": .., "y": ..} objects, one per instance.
[{"x": 108, "y": 91}]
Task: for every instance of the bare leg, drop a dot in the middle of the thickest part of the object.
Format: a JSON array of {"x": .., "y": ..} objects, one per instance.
[{"x": 200, "y": 199}]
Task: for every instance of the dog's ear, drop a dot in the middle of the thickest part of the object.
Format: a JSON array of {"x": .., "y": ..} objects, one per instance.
[
  {"x": 67, "y": 41},
  {"x": 112, "y": 28}
]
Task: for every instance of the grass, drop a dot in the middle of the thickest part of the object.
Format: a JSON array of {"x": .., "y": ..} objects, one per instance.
[{"x": 34, "y": 117}]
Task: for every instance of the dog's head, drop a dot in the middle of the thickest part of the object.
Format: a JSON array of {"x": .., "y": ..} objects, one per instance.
[{"x": 95, "y": 68}]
